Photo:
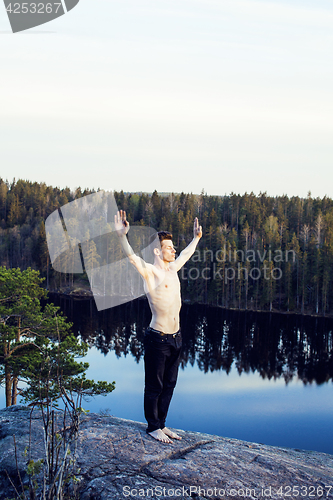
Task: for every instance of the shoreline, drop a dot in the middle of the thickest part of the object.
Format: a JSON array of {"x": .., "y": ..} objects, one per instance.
[{"x": 86, "y": 294}]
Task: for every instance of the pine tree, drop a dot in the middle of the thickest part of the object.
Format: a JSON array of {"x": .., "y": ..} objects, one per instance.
[{"x": 33, "y": 339}]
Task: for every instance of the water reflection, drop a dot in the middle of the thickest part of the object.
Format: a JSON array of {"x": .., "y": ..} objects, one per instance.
[{"x": 273, "y": 345}]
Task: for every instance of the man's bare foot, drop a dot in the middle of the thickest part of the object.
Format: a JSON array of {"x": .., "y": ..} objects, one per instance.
[
  {"x": 160, "y": 436},
  {"x": 171, "y": 434}
]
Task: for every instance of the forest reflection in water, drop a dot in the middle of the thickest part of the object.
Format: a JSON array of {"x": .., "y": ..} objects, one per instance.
[
  {"x": 260, "y": 377},
  {"x": 276, "y": 346}
]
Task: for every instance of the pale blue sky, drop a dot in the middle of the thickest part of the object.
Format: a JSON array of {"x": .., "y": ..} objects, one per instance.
[{"x": 173, "y": 95}]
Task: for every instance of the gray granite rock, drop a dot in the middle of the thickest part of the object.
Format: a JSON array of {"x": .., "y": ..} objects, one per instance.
[{"x": 118, "y": 460}]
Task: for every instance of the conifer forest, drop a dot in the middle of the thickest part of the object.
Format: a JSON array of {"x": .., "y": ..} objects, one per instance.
[{"x": 257, "y": 252}]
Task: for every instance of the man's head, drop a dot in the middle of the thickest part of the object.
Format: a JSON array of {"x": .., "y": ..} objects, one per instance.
[
  {"x": 164, "y": 235},
  {"x": 165, "y": 249}
]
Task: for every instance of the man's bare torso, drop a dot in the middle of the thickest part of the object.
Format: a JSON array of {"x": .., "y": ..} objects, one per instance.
[
  {"x": 161, "y": 281},
  {"x": 163, "y": 292}
]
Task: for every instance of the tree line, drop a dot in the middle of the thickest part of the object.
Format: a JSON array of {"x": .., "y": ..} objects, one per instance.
[{"x": 257, "y": 252}]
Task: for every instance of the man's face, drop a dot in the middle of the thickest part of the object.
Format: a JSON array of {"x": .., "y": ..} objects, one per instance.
[{"x": 168, "y": 251}]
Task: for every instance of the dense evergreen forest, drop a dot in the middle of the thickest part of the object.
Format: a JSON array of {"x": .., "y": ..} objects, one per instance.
[{"x": 257, "y": 252}]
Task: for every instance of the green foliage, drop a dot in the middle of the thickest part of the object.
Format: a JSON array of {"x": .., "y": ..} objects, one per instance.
[
  {"x": 250, "y": 222},
  {"x": 37, "y": 346},
  {"x": 34, "y": 467}
]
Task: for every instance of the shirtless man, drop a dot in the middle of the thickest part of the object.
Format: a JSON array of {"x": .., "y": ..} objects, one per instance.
[{"x": 162, "y": 338}]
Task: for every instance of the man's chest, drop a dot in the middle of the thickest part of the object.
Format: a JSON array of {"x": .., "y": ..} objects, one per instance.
[{"x": 167, "y": 282}]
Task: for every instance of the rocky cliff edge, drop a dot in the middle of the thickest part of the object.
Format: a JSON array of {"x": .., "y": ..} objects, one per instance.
[{"x": 118, "y": 460}]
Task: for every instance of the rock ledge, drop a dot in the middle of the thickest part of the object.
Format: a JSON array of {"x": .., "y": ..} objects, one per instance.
[{"x": 119, "y": 460}]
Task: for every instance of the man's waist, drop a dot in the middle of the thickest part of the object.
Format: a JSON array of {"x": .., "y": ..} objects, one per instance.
[{"x": 153, "y": 330}]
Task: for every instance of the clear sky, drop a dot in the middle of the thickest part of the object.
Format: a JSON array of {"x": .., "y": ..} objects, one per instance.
[{"x": 173, "y": 95}]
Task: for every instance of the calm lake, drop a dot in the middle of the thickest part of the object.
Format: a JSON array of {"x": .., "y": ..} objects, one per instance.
[{"x": 253, "y": 376}]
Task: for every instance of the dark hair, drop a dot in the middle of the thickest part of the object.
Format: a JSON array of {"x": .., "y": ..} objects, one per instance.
[{"x": 162, "y": 235}]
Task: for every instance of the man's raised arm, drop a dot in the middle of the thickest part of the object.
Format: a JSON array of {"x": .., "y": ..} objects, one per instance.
[
  {"x": 122, "y": 227},
  {"x": 187, "y": 253}
]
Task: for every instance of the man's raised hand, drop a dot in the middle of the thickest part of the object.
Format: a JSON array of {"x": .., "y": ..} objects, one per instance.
[
  {"x": 197, "y": 230},
  {"x": 121, "y": 224}
]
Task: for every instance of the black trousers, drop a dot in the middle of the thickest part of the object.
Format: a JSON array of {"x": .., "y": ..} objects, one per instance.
[{"x": 162, "y": 357}]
